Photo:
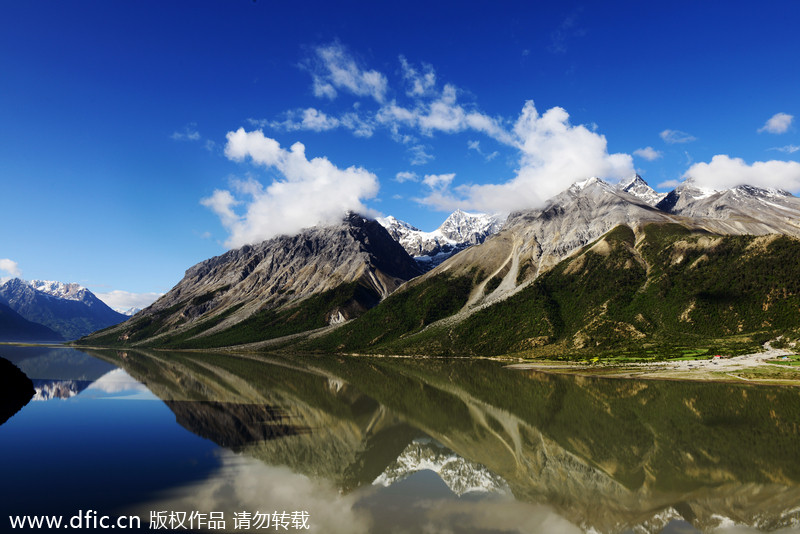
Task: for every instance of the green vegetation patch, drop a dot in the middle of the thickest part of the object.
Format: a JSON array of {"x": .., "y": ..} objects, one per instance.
[{"x": 402, "y": 313}]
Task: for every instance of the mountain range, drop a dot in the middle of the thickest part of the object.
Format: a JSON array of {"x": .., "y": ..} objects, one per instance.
[
  {"x": 599, "y": 267},
  {"x": 39, "y": 310},
  {"x": 459, "y": 231}
]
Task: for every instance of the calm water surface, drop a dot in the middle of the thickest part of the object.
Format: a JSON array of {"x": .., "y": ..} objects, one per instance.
[{"x": 360, "y": 445}]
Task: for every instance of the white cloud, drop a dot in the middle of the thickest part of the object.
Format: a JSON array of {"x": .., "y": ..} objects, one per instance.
[
  {"x": 11, "y": 268},
  {"x": 311, "y": 192},
  {"x": 648, "y": 153},
  {"x": 724, "y": 172},
  {"x": 419, "y": 82},
  {"x": 554, "y": 154},
  {"x": 335, "y": 69},
  {"x": 406, "y": 176},
  {"x": 777, "y": 124},
  {"x": 676, "y": 136},
  {"x": 125, "y": 300},
  {"x": 669, "y": 184},
  {"x": 315, "y": 120},
  {"x": 222, "y": 202},
  {"x": 476, "y": 146},
  {"x": 189, "y": 133},
  {"x": 789, "y": 149},
  {"x": 360, "y": 126},
  {"x": 438, "y": 181},
  {"x": 244, "y": 483},
  {"x": 118, "y": 381},
  {"x": 419, "y": 156},
  {"x": 318, "y": 121},
  {"x": 442, "y": 114}
]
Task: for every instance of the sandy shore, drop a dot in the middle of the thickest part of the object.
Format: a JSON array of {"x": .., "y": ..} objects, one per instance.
[{"x": 715, "y": 368}]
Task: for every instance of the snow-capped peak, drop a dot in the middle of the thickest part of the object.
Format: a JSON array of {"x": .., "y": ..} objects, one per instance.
[
  {"x": 583, "y": 184},
  {"x": 472, "y": 228},
  {"x": 637, "y": 187},
  {"x": 59, "y": 289},
  {"x": 457, "y": 232},
  {"x": 391, "y": 221}
]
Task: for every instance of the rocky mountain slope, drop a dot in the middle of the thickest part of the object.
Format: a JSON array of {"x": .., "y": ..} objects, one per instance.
[
  {"x": 594, "y": 269},
  {"x": 664, "y": 289},
  {"x": 282, "y": 286},
  {"x": 68, "y": 309},
  {"x": 741, "y": 210},
  {"x": 459, "y": 231}
]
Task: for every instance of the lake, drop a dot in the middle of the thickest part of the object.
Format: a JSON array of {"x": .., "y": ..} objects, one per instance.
[{"x": 360, "y": 445}]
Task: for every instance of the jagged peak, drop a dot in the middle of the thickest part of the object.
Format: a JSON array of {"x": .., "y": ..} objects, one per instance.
[{"x": 633, "y": 181}]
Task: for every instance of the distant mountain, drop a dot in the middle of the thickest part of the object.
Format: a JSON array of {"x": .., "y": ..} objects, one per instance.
[
  {"x": 742, "y": 209},
  {"x": 279, "y": 287},
  {"x": 129, "y": 312},
  {"x": 69, "y": 309},
  {"x": 459, "y": 231},
  {"x": 14, "y": 327}
]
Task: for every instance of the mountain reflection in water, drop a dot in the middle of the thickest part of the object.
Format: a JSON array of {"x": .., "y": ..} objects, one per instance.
[{"x": 576, "y": 453}]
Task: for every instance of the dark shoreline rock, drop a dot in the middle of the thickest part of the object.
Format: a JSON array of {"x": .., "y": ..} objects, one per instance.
[{"x": 16, "y": 390}]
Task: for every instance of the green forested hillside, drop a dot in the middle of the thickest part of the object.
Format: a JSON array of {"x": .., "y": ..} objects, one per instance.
[{"x": 674, "y": 292}]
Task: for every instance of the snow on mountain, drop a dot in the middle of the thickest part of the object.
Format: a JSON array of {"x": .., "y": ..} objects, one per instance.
[
  {"x": 130, "y": 312},
  {"x": 459, "y": 231},
  {"x": 589, "y": 182},
  {"x": 637, "y": 187},
  {"x": 461, "y": 475},
  {"x": 59, "y": 289}
]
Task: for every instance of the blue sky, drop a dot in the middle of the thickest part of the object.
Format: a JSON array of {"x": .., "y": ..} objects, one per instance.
[{"x": 138, "y": 138}]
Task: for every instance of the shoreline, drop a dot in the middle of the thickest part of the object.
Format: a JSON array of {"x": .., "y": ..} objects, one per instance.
[{"x": 716, "y": 369}]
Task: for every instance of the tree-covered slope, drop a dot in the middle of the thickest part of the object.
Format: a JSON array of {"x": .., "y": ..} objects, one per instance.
[{"x": 663, "y": 289}]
